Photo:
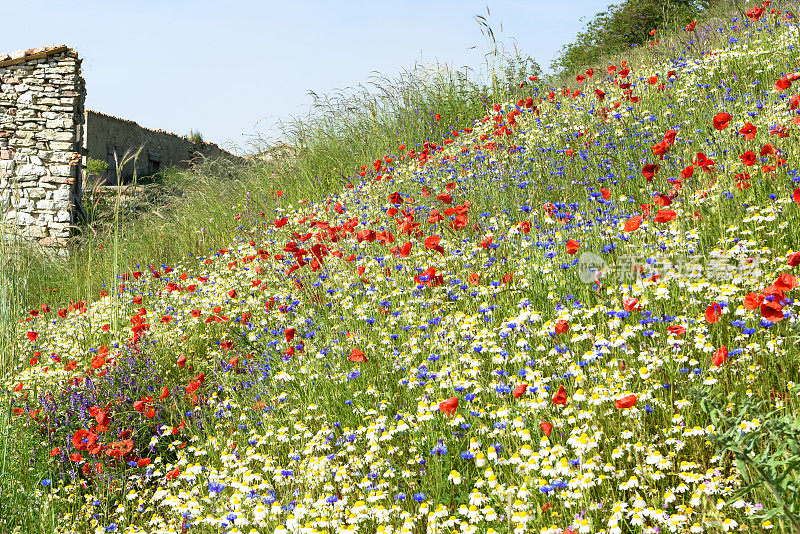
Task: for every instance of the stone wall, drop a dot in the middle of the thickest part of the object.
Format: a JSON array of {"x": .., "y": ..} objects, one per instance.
[
  {"x": 41, "y": 116},
  {"x": 106, "y": 135}
]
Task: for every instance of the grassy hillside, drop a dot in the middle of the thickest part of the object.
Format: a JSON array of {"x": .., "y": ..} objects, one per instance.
[{"x": 568, "y": 312}]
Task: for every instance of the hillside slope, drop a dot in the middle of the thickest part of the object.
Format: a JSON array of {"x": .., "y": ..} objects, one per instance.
[{"x": 526, "y": 326}]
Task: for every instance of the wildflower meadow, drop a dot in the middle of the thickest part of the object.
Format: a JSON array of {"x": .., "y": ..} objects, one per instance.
[{"x": 573, "y": 313}]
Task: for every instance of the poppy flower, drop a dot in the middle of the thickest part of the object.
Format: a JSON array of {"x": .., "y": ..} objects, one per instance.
[
  {"x": 632, "y": 224},
  {"x": 562, "y": 326},
  {"x": 174, "y": 473},
  {"x": 396, "y": 198},
  {"x": 164, "y": 393},
  {"x": 796, "y": 195},
  {"x": 449, "y": 406},
  {"x": 720, "y": 356},
  {"x": 687, "y": 173},
  {"x": 625, "y": 402},
  {"x": 771, "y": 311},
  {"x": 649, "y": 171},
  {"x": 572, "y": 246},
  {"x": 676, "y": 330},
  {"x": 748, "y": 158},
  {"x": 32, "y": 336},
  {"x": 357, "y": 355},
  {"x": 281, "y": 222},
  {"x": 560, "y": 397},
  {"x": 785, "y": 282},
  {"x": 182, "y": 361},
  {"x": 753, "y": 300},
  {"x": 782, "y": 83},
  {"x": 143, "y": 462},
  {"x": 631, "y": 304},
  {"x": 546, "y": 427},
  {"x": 664, "y": 216},
  {"x": 713, "y": 313},
  {"x": 721, "y": 121},
  {"x": 748, "y": 131},
  {"x": 605, "y": 193},
  {"x": 520, "y": 390},
  {"x": 432, "y": 243},
  {"x": 119, "y": 449},
  {"x": 691, "y": 26},
  {"x": 794, "y": 259}
]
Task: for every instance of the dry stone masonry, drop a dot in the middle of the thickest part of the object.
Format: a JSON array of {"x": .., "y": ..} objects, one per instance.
[
  {"x": 41, "y": 117},
  {"x": 46, "y": 137}
]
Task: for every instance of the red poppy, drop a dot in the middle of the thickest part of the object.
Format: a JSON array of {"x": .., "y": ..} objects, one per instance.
[
  {"x": 794, "y": 259},
  {"x": 32, "y": 336},
  {"x": 796, "y": 195},
  {"x": 748, "y": 131},
  {"x": 771, "y": 311},
  {"x": 288, "y": 334},
  {"x": 520, "y": 390},
  {"x": 546, "y": 427},
  {"x": 721, "y": 120},
  {"x": 143, "y": 462},
  {"x": 560, "y": 397},
  {"x": 449, "y": 406},
  {"x": 357, "y": 355},
  {"x": 572, "y": 246},
  {"x": 690, "y": 27},
  {"x": 782, "y": 84},
  {"x": 649, "y": 171},
  {"x": 395, "y": 198},
  {"x": 281, "y": 222},
  {"x": 701, "y": 160},
  {"x": 119, "y": 449},
  {"x": 164, "y": 393},
  {"x": 766, "y": 150},
  {"x": 631, "y": 304},
  {"x": 664, "y": 216},
  {"x": 174, "y": 473},
  {"x": 633, "y": 223},
  {"x": 625, "y": 402},
  {"x": 182, "y": 361},
  {"x": 785, "y": 282},
  {"x": 753, "y": 300},
  {"x": 720, "y": 355},
  {"x": 748, "y": 158},
  {"x": 605, "y": 193},
  {"x": 432, "y": 243},
  {"x": 561, "y": 326},
  {"x": 713, "y": 313},
  {"x": 676, "y": 330},
  {"x": 687, "y": 172}
]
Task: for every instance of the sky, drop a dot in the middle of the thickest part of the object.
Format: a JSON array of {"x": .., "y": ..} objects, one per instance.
[{"x": 233, "y": 69}]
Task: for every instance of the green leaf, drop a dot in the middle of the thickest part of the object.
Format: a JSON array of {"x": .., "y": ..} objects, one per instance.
[{"x": 743, "y": 470}]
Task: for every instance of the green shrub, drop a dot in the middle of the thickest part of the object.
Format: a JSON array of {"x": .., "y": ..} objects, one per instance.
[{"x": 623, "y": 26}]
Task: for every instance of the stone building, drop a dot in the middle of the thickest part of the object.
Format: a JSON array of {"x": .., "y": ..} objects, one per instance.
[{"x": 46, "y": 137}]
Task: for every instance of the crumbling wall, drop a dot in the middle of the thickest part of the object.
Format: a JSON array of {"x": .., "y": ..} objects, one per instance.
[
  {"x": 42, "y": 95},
  {"x": 106, "y": 135}
]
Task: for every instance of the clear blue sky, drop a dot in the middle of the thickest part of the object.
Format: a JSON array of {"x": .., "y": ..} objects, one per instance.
[{"x": 232, "y": 69}]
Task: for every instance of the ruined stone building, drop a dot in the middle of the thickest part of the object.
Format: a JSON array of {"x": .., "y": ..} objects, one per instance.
[{"x": 46, "y": 138}]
